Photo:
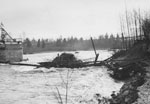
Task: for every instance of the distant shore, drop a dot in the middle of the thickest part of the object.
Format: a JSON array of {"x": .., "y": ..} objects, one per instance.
[{"x": 32, "y": 51}]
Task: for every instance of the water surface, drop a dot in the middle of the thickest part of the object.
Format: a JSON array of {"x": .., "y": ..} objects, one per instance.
[{"x": 27, "y": 85}]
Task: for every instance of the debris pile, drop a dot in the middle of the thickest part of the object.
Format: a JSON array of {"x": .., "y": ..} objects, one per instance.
[
  {"x": 126, "y": 64},
  {"x": 66, "y": 60},
  {"x": 126, "y": 72}
]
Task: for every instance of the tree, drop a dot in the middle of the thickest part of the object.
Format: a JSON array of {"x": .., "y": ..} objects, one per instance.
[
  {"x": 106, "y": 45},
  {"x": 106, "y": 36},
  {"x": 39, "y": 43},
  {"x": 64, "y": 42},
  {"x": 146, "y": 31},
  {"x": 146, "y": 28},
  {"x": 112, "y": 41},
  {"x": 33, "y": 42},
  {"x": 43, "y": 43},
  {"x": 28, "y": 42},
  {"x": 59, "y": 41},
  {"x": 117, "y": 42}
]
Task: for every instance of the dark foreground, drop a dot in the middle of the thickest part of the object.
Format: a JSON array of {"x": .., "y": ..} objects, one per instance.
[{"x": 128, "y": 66}]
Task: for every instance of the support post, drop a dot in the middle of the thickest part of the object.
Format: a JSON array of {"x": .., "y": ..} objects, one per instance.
[{"x": 94, "y": 51}]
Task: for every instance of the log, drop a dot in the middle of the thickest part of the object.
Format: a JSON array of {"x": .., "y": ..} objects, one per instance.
[{"x": 20, "y": 64}]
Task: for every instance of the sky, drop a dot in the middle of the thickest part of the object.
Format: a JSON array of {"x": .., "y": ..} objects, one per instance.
[{"x": 65, "y": 18}]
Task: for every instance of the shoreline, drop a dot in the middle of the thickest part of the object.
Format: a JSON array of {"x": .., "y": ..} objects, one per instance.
[{"x": 130, "y": 67}]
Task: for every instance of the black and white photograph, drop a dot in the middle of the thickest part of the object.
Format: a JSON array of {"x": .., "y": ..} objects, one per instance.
[{"x": 74, "y": 51}]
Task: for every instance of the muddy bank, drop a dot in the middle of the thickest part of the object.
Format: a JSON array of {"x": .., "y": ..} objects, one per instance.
[
  {"x": 144, "y": 90},
  {"x": 134, "y": 76},
  {"x": 128, "y": 92},
  {"x": 128, "y": 66}
]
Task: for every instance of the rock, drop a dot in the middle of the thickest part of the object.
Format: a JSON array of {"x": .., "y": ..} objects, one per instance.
[
  {"x": 128, "y": 92},
  {"x": 144, "y": 92}
]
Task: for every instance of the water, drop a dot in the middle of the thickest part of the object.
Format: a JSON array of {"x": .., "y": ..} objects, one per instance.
[{"x": 27, "y": 85}]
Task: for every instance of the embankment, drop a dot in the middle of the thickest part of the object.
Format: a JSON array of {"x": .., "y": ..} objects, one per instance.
[{"x": 128, "y": 66}]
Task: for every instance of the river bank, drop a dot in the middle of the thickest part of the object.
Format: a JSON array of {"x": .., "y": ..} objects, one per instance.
[{"x": 132, "y": 67}]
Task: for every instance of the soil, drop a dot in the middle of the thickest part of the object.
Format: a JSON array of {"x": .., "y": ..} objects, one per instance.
[{"x": 131, "y": 67}]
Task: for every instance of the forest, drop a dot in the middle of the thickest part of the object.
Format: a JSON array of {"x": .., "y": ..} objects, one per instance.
[{"x": 107, "y": 41}]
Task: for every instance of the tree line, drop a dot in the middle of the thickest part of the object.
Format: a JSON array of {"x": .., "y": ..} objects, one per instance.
[
  {"x": 135, "y": 27},
  {"x": 107, "y": 41}
]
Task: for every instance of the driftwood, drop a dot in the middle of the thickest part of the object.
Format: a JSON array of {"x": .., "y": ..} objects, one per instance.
[
  {"x": 110, "y": 63},
  {"x": 65, "y": 60},
  {"x": 68, "y": 60},
  {"x": 51, "y": 64},
  {"x": 20, "y": 64}
]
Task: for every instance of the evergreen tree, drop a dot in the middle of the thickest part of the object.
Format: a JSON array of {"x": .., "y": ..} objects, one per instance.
[
  {"x": 39, "y": 43},
  {"x": 117, "y": 41},
  {"x": 28, "y": 43},
  {"x": 64, "y": 42},
  {"x": 112, "y": 41},
  {"x": 43, "y": 44},
  {"x": 106, "y": 40},
  {"x": 33, "y": 42},
  {"x": 58, "y": 42}
]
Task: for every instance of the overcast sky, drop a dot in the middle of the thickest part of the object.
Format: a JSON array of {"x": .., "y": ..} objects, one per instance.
[{"x": 66, "y": 18}]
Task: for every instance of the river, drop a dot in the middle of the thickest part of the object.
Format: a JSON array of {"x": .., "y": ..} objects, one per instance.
[{"x": 28, "y": 85}]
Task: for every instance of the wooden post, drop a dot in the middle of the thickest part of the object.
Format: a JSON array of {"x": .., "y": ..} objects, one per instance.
[
  {"x": 123, "y": 43},
  {"x": 126, "y": 43},
  {"x": 94, "y": 51},
  {"x": 140, "y": 24},
  {"x": 135, "y": 21},
  {"x": 93, "y": 46}
]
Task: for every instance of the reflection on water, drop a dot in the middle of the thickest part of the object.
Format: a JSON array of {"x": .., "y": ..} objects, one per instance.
[{"x": 26, "y": 85}]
